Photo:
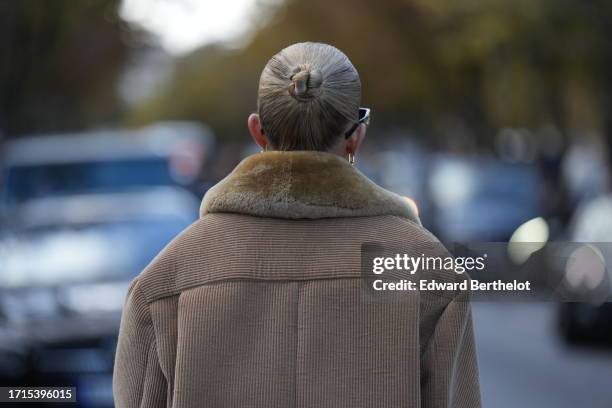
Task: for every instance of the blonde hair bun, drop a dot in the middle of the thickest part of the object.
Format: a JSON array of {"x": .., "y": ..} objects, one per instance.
[
  {"x": 305, "y": 83},
  {"x": 309, "y": 96}
]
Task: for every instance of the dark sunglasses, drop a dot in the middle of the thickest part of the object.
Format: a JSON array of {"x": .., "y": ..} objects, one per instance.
[{"x": 364, "y": 117}]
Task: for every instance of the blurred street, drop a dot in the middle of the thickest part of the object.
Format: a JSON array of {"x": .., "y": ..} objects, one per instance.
[{"x": 524, "y": 363}]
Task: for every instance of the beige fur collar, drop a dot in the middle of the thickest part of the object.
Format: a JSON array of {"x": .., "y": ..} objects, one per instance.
[{"x": 301, "y": 184}]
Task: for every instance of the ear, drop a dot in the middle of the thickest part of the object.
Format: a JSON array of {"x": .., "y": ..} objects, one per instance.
[
  {"x": 354, "y": 141},
  {"x": 256, "y": 131}
]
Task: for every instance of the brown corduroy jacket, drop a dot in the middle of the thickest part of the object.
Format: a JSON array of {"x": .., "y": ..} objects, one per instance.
[{"x": 261, "y": 302}]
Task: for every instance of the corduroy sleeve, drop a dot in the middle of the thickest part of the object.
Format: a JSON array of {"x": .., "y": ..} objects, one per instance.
[
  {"x": 449, "y": 368},
  {"x": 138, "y": 380}
]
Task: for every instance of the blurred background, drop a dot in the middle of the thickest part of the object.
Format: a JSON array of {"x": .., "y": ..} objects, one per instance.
[{"x": 494, "y": 116}]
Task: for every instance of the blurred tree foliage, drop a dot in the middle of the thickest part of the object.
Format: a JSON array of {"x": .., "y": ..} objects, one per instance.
[
  {"x": 439, "y": 67},
  {"x": 434, "y": 66},
  {"x": 59, "y": 64}
]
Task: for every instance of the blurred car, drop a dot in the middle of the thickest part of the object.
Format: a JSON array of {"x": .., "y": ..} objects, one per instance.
[
  {"x": 165, "y": 154},
  {"x": 591, "y": 321},
  {"x": 403, "y": 171},
  {"x": 64, "y": 278},
  {"x": 481, "y": 199}
]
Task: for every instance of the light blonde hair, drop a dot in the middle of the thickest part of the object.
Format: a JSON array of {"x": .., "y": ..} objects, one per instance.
[{"x": 309, "y": 96}]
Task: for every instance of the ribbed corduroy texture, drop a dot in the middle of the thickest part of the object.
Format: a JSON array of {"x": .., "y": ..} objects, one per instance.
[{"x": 242, "y": 311}]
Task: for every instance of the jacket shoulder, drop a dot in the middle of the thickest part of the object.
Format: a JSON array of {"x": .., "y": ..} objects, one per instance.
[
  {"x": 201, "y": 253},
  {"x": 421, "y": 242},
  {"x": 159, "y": 277}
]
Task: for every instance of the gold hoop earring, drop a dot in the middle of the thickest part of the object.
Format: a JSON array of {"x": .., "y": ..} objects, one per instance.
[{"x": 351, "y": 159}]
